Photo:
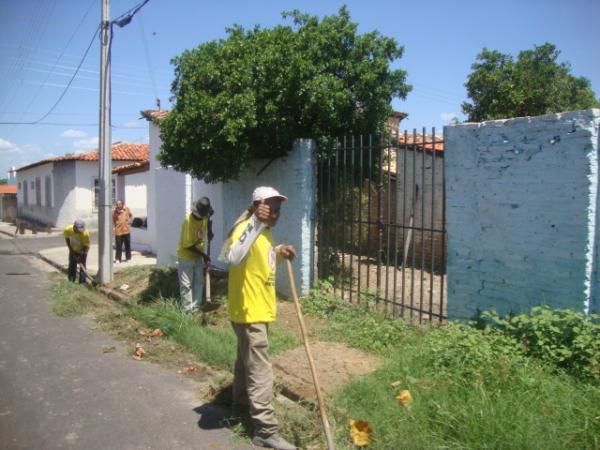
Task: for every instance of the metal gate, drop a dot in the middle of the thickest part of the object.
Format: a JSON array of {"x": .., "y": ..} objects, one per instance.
[{"x": 381, "y": 231}]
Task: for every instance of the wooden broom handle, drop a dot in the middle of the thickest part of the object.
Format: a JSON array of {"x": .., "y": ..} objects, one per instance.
[{"x": 311, "y": 362}]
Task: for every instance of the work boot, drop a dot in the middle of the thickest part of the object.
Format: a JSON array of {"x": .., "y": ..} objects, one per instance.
[{"x": 274, "y": 441}]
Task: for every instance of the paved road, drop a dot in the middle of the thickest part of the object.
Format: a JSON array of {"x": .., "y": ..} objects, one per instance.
[{"x": 59, "y": 391}]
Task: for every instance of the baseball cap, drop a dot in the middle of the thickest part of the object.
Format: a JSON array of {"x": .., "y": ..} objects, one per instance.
[
  {"x": 79, "y": 225},
  {"x": 265, "y": 192}
]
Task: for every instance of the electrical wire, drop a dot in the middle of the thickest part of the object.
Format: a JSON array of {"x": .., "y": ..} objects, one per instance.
[
  {"x": 58, "y": 59},
  {"x": 64, "y": 91}
]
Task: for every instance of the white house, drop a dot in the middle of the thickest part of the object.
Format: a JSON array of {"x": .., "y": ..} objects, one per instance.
[{"x": 56, "y": 191}]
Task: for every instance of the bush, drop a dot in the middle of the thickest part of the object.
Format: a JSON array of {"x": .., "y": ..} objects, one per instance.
[{"x": 562, "y": 338}]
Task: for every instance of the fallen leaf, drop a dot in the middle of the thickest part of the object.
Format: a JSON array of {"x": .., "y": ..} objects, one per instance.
[
  {"x": 143, "y": 331},
  {"x": 405, "y": 398},
  {"x": 139, "y": 352},
  {"x": 123, "y": 287},
  {"x": 360, "y": 431},
  {"x": 157, "y": 333},
  {"x": 109, "y": 349},
  {"x": 395, "y": 384},
  {"x": 188, "y": 369}
]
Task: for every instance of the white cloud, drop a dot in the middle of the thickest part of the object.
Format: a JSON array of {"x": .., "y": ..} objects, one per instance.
[
  {"x": 86, "y": 144},
  {"x": 132, "y": 124},
  {"x": 73, "y": 133},
  {"x": 8, "y": 147},
  {"x": 449, "y": 116}
]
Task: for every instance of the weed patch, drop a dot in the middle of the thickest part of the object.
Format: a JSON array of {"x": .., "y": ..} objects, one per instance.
[{"x": 71, "y": 299}]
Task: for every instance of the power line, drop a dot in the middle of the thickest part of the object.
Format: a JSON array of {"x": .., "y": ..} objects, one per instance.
[
  {"x": 59, "y": 57},
  {"x": 64, "y": 91}
]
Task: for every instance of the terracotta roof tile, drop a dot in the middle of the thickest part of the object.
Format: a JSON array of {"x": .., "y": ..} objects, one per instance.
[
  {"x": 140, "y": 166},
  {"x": 154, "y": 115},
  {"x": 8, "y": 189},
  {"x": 121, "y": 151}
]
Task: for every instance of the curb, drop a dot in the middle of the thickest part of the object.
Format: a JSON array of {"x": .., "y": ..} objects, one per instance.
[
  {"x": 7, "y": 233},
  {"x": 113, "y": 295}
]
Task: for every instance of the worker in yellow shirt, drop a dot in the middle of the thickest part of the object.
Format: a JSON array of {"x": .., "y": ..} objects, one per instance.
[
  {"x": 252, "y": 261},
  {"x": 78, "y": 242},
  {"x": 191, "y": 254}
]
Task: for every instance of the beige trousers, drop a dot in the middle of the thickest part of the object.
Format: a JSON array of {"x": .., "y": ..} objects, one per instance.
[{"x": 253, "y": 376}]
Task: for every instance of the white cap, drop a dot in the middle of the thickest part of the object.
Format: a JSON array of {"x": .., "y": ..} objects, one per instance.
[{"x": 265, "y": 192}]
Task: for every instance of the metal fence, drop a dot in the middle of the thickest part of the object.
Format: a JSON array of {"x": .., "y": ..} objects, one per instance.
[{"x": 381, "y": 231}]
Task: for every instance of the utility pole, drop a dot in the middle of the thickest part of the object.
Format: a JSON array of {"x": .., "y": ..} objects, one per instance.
[{"x": 105, "y": 272}]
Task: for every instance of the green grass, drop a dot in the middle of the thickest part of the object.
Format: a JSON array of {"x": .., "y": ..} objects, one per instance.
[
  {"x": 471, "y": 388},
  {"x": 71, "y": 299},
  {"x": 215, "y": 345}
]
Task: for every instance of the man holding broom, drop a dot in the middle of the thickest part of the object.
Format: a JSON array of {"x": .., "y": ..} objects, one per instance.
[{"x": 252, "y": 259}]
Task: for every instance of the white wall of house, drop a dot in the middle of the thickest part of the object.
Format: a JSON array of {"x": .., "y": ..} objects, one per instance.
[
  {"x": 40, "y": 198},
  {"x": 522, "y": 213},
  {"x": 135, "y": 196}
]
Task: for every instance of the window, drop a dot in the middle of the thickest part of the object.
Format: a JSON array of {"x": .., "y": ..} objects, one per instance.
[
  {"x": 31, "y": 186},
  {"x": 38, "y": 191},
  {"x": 25, "y": 193},
  {"x": 48, "y": 190},
  {"x": 96, "y": 198}
]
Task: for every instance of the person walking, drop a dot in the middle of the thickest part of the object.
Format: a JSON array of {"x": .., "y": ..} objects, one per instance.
[
  {"x": 121, "y": 218},
  {"x": 78, "y": 242},
  {"x": 252, "y": 262},
  {"x": 192, "y": 256}
]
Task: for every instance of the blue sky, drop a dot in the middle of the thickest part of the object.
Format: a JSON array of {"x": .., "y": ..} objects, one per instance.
[{"x": 43, "y": 41}]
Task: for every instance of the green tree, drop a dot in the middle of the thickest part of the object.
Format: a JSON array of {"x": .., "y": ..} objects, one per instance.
[
  {"x": 3, "y": 181},
  {"x": 253, "y": 93},
  {"x": 536, "y": 83}
]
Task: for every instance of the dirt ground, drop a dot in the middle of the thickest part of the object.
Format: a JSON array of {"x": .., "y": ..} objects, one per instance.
[
  {"x": 411, "y": 292},
  {"x": 335, "y": 362}
]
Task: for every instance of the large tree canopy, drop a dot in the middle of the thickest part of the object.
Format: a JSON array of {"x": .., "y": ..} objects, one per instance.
[
  {"x": 252, "y": 94},
  {"x": 500, "y": 87}
]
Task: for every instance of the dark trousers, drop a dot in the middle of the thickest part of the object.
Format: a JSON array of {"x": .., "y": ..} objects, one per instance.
[
  {"x": 123, "y": 239},
  {"x": 73, "y": 266}
]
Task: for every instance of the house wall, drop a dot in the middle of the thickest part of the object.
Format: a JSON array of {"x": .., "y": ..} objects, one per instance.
[
  {"x": 44, "y": 212},
  {"x": 413, "y": 198},
  {"x": 135, "y": 193},
  {"x": 8, "y": 207},
  {"x": 64, "y": 192},
  {"x": 154, "y": 144},
  {"x": 522, "y": 213}
]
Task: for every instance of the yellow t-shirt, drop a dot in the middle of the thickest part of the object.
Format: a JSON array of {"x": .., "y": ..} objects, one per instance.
[
  {"x": 193, "y": 233},
  {"x": 251, "y": 284},
  {"x": 78, "y": 241}
]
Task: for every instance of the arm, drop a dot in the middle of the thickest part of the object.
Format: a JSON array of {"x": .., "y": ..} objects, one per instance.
[
  {"x": 68, "y": 244},
  {"x": 240, "y": 245}
]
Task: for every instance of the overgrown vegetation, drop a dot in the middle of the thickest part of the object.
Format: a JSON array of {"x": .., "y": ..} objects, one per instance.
[
  {"x": 564, "y": 339},
  {"x": 472, "y": 387}
]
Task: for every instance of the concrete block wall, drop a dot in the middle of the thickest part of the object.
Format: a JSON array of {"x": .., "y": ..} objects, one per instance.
[
  {"x": 293, "y": 176},
  {"x": 521, "y": 212}
]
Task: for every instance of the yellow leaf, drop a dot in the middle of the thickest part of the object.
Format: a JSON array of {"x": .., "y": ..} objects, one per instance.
[
  {"x": 405, "y": 398},
  {"x": 360, "y": 431}
]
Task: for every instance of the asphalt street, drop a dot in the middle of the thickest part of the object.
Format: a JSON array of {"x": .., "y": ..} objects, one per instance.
[{"x": 58, "y": 390}]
